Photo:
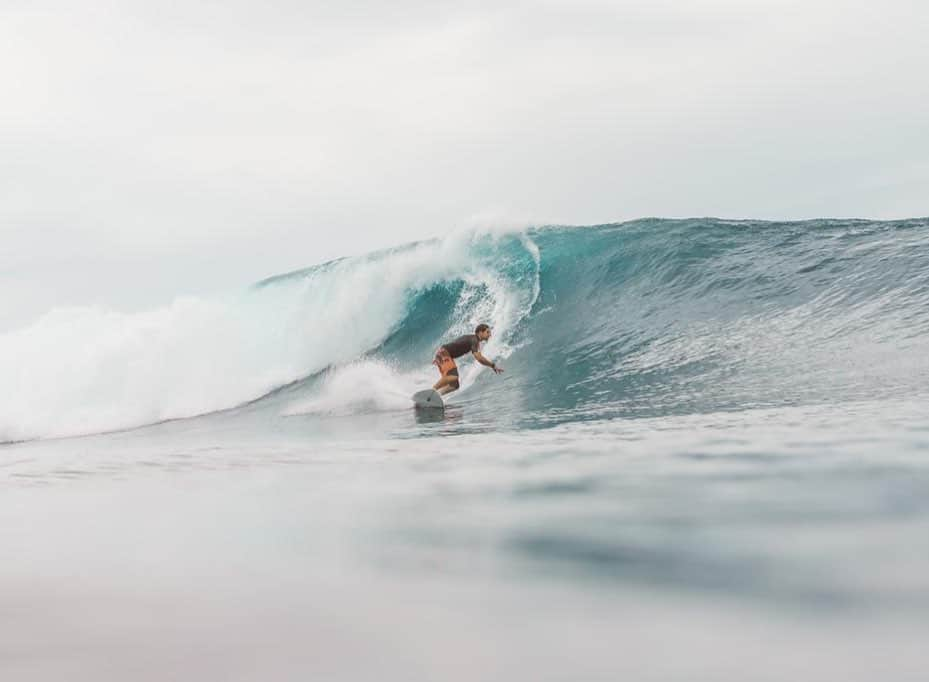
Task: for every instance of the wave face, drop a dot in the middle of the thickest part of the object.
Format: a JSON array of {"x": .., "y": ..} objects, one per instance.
[
  {"x": 647, "y": 318},
  {"x": 658, "y": 317}
]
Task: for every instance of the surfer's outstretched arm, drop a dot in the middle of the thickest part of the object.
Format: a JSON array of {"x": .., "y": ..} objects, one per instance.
[{"x": 487, "y": 363}]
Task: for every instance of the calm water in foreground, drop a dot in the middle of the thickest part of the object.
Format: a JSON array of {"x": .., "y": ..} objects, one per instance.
[{"x": 768, "y": 544}]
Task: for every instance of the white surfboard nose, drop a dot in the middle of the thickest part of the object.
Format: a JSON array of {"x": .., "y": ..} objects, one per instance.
[{"x": 428, "y": 398}]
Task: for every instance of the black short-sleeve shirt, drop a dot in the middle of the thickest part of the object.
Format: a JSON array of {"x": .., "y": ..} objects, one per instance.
[{"x": 469, "y": 343}]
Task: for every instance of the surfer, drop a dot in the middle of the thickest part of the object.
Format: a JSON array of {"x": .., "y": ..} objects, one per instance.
[{"x": 445, "y": 358}]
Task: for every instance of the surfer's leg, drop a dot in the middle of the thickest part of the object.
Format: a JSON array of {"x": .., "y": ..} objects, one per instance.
[
  {"x": 449, "y": 387},
  {"x": 449, "y": 380},
  {"x": 446, "y": 384},
  {"x": 449, "y": 371}
]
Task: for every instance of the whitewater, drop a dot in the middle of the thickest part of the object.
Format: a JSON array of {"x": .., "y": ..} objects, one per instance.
[{"x": 709, "y": 451}]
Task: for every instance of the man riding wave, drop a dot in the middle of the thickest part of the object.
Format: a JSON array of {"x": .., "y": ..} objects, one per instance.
[{"x": 445, "y": 358}]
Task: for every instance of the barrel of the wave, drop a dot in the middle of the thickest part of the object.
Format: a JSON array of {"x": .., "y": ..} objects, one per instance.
[{"x": 444, "y": 361}]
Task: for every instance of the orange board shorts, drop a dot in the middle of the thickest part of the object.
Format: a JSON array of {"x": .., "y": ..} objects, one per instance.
[{"x": 445, "y": 363}]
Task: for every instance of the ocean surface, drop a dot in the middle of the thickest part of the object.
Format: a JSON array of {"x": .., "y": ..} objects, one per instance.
[{"x": 708, "y": 458}]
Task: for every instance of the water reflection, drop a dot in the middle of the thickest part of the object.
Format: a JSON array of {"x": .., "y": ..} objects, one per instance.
[{"x": 452, "y": 414}]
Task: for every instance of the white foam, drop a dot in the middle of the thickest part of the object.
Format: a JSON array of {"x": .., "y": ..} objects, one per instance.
[
  {"x": 86, "y": 370},
  {"x": 361, "y": 387}
]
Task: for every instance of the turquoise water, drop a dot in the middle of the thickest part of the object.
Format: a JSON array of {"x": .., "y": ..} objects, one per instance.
[{"x": 709, "y": 455}]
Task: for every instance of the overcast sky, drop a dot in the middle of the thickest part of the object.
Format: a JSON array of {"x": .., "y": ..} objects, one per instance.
[{"x": 149, "y": 149}]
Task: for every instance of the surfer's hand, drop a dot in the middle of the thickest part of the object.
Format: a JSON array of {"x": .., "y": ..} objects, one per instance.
[{"x": 497, "y": 370}]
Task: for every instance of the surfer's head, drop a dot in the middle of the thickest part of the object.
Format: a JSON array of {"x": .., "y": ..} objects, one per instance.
[{"x": 482, "y": 332}]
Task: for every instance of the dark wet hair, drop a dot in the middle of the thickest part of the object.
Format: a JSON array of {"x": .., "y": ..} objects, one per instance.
[{"x": 481, "y": 328}]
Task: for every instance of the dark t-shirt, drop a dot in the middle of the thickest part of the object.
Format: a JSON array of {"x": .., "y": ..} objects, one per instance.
[{"x": 468, "y": 343}]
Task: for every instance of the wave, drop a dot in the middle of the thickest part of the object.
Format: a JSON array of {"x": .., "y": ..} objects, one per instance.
[
  {"x": 644, "y": 318},
  {"x": 88, "y": 370}
]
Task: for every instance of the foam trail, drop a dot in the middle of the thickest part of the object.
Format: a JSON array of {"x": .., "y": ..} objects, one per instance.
[{"x": 363, "y": 386}]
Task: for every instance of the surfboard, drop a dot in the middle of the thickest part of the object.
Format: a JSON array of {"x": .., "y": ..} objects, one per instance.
[{"x": 428, "y": 399}]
